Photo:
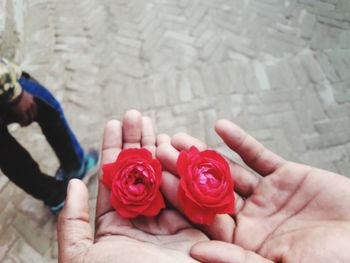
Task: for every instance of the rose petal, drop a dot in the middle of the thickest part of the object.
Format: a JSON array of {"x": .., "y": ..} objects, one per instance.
[
  {"x": 206, "y": 186},
  {"x": 135, "y": 153},
  {"x": 204, "y": 198},
  {"x": 211, "y": 197},
  {"x": 217, "y": 160},
  {"x": 108, "y": 174},
  {"x": 182, "y": 164},
  {"x": 137, "y": 208},
  {"x": 121, "y": 209},
  {"x": 156, "y": 205},
  {"x": 157, "y": 167},
  {"x": 228, "y": 208},
  {"x": 194, "y": 212},
  {"x": 193, "y": 152},
  {"x": 214, "y": 156},
  {"x": 135, "y": 179}
]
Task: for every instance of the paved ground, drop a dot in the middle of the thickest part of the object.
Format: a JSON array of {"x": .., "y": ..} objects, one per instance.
[{"x": 280, "y": 69}]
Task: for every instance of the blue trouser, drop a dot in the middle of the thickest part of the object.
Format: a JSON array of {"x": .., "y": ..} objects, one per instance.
[{"x": 18, "y": 165}]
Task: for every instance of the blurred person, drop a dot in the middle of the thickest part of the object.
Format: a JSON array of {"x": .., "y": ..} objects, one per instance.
[{"x": 24, "y": 100}]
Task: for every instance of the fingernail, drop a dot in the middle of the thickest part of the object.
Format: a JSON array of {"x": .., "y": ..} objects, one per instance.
[{"x": 70, "y": 185}]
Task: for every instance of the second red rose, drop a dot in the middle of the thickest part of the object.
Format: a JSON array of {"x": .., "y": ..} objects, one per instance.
[{"x": 206, "y": 186}]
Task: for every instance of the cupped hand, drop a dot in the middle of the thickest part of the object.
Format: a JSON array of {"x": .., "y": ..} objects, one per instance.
[
  {"x": 165, "y": 238},
  {"x": 25, "y": 109},
  {"x": 289, "y": 213}
]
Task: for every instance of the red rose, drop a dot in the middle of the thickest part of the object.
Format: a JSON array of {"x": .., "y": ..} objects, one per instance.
[
  {"x": 206, "y": 186},
  {"x": 134, "y": 179}
]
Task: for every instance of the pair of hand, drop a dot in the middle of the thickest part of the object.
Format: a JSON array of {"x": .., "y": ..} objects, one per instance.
[
  {"x": 25, "y": 109},
  {"x": 291, "y": 213}
]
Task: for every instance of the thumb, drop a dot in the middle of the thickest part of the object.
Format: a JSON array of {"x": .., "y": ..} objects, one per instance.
[
  {"x": 73, "y": 229},
  {"x": 221, "y": 252}
]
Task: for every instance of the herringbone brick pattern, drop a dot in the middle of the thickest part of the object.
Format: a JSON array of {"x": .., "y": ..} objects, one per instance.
[{"x": 280, "y": 69}]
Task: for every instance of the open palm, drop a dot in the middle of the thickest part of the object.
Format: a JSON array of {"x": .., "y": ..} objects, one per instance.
[
  {"x": 291, "y": 213},
  {"x": 165, "y": 238}
]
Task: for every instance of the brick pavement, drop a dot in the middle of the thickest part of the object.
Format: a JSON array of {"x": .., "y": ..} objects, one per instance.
[{"x": 280, "y": 69}]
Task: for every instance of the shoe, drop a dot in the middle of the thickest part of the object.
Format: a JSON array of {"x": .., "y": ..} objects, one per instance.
[
  {"x": 59, "y": 175},
  {"x": 88, "y": 168},
  {"x": 85, "y": 173},
  {"x": 55, "y": 210}
]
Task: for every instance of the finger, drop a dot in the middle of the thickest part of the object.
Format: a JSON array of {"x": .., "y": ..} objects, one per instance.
[
  {"x": 132, "y": 129},
  {"x": 244, "y": 180},
  {"x": 169, "y": 186},
  {"x": 73, "y": 229},
  {"x": 167, "y": 155},
  {"x": 183, "y": 141},
  {"x": 111, "y": 146},
  {"x": 148, "y": 139},
  {"x": 223, "y": 226},
  {"x": 163, "y": 138},
  {"x": 239, "y": 203},
  {"x": 253, "y": 153},
  {"x": 221, "y": 252}
]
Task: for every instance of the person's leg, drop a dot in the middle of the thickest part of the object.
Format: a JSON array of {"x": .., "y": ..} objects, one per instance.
[
  {"x": 55, "y": 127},
  {"x": 17, "y": 164},
  {"x": 57, "y": 133},
  {"x": 74, "y": 164}
]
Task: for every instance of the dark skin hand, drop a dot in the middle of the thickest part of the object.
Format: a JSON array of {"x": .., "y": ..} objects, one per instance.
[
  {"x": 290, "y": 213},
  {"x": 25, "y": 109},
  {"x": 167, "y": 237}
]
